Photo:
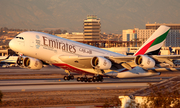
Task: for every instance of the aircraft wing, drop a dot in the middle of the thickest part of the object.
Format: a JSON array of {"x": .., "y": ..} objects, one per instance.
[
  {"x": 166, "y": 58},
  {"x": 158, "y": 58},
  {"x": 86, "y": 61},
  {"x": 125, "y": 61}
]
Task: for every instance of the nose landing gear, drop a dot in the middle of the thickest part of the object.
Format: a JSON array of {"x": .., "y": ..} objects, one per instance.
[{"x": 69, "y": 77}]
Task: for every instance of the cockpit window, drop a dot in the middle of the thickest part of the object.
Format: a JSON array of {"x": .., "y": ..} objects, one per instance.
[{"x": 20, "y": 38}]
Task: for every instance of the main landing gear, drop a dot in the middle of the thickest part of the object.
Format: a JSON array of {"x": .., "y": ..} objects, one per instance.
[
  {"x": 83, "y": 79},
  {"x": 69, "y": 77},
  {"x": 93, "y": 79}
]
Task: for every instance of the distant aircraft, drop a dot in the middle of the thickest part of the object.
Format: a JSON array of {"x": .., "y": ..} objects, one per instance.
[
  {"x": 72, "y": 56},
  {"x": 173, "y": 52},
  {"x": 3, "y": 58},
  {"x": 8, "y": 61}
]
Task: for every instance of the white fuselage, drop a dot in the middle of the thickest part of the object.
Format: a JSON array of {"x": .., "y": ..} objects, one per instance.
[{"x": 44, "y": 46}]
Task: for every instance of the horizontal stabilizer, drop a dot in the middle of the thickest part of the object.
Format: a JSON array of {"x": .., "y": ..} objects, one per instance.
[{"x": 164, "y": 70}]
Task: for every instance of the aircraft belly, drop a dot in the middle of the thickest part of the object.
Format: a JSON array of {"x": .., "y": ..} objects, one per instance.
[
  {"x": 75, "y": 69},
  {"x": 85, "y": 63}
]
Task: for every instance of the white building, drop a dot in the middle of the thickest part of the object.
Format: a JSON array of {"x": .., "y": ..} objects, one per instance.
[
  {"x": 172, "y": 39},
  {"x": 129, "y": 35},
  {"x": 144, "y": 34}
]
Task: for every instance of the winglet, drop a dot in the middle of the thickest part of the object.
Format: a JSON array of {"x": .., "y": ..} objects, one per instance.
[{"x": 155, "y": 42}]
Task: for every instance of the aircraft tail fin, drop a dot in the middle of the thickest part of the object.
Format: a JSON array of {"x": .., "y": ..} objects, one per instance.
[{"x": 153, "y": 45}]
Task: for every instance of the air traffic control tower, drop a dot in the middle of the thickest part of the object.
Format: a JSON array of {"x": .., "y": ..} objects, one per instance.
[{"x": 92, "y": 28}]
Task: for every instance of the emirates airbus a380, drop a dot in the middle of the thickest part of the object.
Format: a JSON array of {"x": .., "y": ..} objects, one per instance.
[{"x": 40, "y": 48}]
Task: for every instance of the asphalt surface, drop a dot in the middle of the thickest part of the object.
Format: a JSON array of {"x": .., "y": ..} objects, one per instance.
[
  {"x": 28, "y": 88},
  {"x": 22, "y": 71},
  {"x": 54, "y": 84}
]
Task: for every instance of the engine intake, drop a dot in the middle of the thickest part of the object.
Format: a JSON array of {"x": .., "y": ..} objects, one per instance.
[
  {"x": 32, "y": 63},
  {"x": 20, "y": 61},
  {"x": 101, "y": 63},
  {"x": 28, "y": 62},
  {"x": 144, "y": 61}
]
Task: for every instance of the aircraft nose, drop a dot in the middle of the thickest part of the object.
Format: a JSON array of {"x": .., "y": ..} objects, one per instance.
[{"x": 12, "y": 44}]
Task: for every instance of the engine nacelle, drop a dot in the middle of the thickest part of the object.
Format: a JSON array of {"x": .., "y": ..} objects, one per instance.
[
  {"x": 101, "y": 63},
  {"x": 28, "y": 62},
  {"x": 32, "y": 63},
  {"x": 144, "y": 61}
]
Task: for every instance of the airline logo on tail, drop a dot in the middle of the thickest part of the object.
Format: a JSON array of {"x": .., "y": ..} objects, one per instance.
[{"x": 155, "y": 42}]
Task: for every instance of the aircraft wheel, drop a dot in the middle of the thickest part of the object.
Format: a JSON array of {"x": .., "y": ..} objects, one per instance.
[
  {"x": 94, "y": 78},
  {"x": 81, "y": 79},
  {"x": 71, "y": 77},
  {"x": 78, "y": 79},
  {"x": 90, "y": 79},
  {"x": 97, "y": 78},
  {"x": 85, "y": 79},
  {"x": 101, "y": 77},
  {"x": 65, "y": 78},
  {"x": 68, "y": 78},
  {"x": 101, "y": 80}
]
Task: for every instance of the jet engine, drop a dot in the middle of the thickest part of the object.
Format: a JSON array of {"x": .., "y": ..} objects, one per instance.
[
  {"x": 101, "y": 63},
  {"x": 30, "y": 63},
  {"x": 144, "y": 61}
]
